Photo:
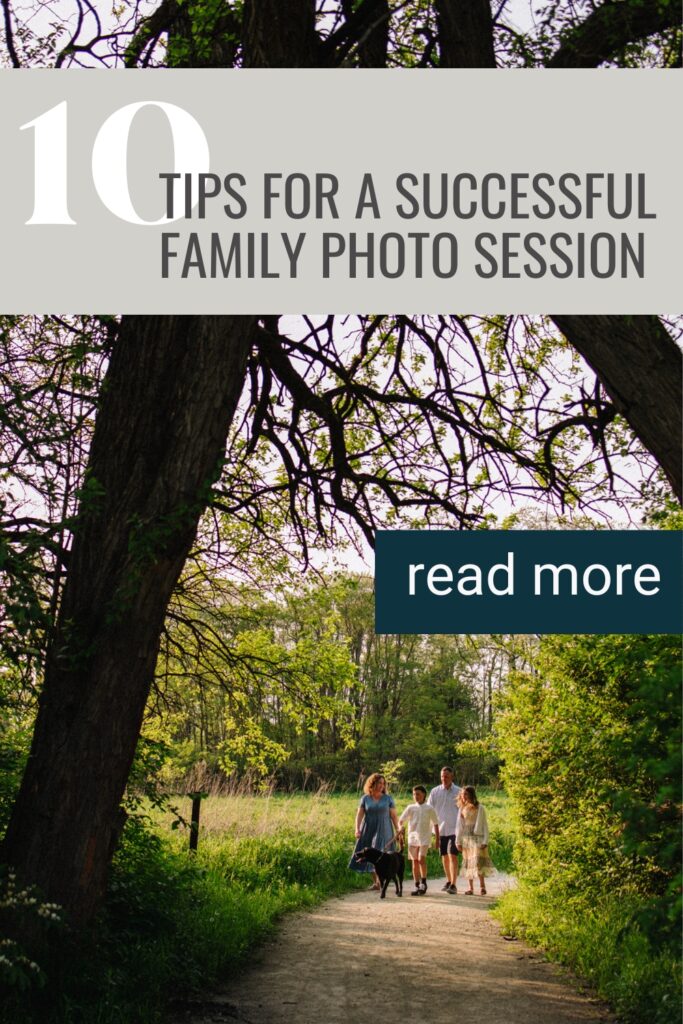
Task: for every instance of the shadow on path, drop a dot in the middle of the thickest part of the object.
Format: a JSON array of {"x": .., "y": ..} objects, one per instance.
[{"x": 361, "y": 960}]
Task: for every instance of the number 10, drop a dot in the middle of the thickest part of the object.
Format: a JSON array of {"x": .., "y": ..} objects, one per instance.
[{"x": 109, "y": 160}]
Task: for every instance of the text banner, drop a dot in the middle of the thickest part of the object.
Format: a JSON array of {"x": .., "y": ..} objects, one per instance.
[{"x": 284, "y": 191}]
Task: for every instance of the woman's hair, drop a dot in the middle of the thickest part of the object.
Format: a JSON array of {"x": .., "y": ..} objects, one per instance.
[
  {"x": 469, "y": 795},
  {"x": 371, "y": 780}
]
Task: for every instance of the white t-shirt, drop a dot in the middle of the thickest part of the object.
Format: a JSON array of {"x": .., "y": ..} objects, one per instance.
[
  {"x": 444, "y": 803},
  {"x": 420, "y": 818}
]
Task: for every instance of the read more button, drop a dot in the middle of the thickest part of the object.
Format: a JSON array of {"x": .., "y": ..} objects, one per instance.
[{"x": 535, "y": 581}]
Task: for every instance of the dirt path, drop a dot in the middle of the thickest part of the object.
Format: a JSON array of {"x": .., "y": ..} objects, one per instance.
[{"x": 434, "y": 958}]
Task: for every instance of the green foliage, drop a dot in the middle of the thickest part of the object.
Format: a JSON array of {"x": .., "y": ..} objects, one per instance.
[
  {"x": 477, "y": 758},
  {"x": 49, "y": 374},
  {"x": 15, "y": 738},
  {"x": 174, "y": 923},
  {"x": 300, "y": 687},
  {"x": 591, "y": 743},
  {"x": 393, "y": 771},
  {"x": 591, "y": 934},
  {"x": 12, "y": 762},
  {"x": 207, "y": 34}
]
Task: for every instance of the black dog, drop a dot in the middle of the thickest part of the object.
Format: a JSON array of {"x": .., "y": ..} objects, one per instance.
[{"x": 388, "y": 866}]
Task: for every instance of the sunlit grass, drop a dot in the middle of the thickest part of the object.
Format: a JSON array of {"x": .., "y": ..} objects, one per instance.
[
  {"x": 230, "y": 818},
  {"x": 255, "y": 815}
]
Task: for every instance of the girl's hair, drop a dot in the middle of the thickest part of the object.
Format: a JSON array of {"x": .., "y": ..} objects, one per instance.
[
  {"x": 469, "y": 794},
  {"x": 371, "y": 780}
]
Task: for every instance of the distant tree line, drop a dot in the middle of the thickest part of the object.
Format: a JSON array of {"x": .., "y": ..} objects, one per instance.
[{"x": 300, "y": 690}]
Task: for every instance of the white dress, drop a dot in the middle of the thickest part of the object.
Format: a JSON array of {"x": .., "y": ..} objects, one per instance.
[{"x": 471, "y": 836}]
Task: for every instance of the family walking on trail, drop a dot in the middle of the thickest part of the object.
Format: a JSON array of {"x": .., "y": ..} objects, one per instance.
[{"x": 450, "y": 814}]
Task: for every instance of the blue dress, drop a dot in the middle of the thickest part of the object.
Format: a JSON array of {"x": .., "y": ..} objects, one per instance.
[{"x": 376, "y": 829}]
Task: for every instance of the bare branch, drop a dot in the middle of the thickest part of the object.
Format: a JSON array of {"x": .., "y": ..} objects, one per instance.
[{"x": 9, "y": 34}]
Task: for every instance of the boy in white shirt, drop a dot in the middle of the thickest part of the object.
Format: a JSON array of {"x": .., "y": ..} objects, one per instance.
[{"x": 421, "y": 820}]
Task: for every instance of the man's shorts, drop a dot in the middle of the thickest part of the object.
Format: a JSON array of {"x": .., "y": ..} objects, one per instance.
[
  {"x": 447, "y": 845},
  {"x": 417, "y": 852}
]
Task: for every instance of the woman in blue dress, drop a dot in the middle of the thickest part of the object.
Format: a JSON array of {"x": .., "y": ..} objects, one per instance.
[{"x": 376, "y": 821}]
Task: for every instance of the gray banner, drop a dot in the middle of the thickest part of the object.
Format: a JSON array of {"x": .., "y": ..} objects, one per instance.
[{"x": 331, "y": 191}]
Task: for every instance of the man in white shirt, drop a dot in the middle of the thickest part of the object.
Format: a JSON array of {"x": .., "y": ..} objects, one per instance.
[
  {"x": 444, "y": 800},
  {"x": 421, "y": 820}
]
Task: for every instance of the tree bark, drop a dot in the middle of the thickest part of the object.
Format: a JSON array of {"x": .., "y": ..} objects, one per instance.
[
  {"x": 640, "y": 368},
  {"x": 168, "y": 399},
  {"x": 279, "y": 35},
  {"x": 465, "y": 30}
]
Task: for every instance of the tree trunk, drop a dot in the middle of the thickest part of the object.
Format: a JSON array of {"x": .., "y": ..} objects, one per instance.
[
  {"x": 639, "y": 367},
  {"x": 168, "y": 399},
  {"x": 465, "y": 29},
  {"x": 279, "y": 35}
]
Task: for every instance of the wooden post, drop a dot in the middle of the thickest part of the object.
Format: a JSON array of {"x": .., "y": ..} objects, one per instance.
[{"x": 194, "y": 824}]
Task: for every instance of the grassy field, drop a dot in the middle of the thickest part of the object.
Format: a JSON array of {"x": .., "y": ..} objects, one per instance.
[{"x": 235, "y": 819}]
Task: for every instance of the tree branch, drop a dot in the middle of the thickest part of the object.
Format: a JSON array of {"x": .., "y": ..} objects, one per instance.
[
  {"x": 9, "y": 34},
  {"x": 366, "y": 27},
  {"x": 625, "y": 352},
  {"x": 611, "y": 27},
  {"x": 160, "y": 21}
]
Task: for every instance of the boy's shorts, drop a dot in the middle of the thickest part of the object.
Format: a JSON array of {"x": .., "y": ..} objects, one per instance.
[{"x": 418, "y": 852}]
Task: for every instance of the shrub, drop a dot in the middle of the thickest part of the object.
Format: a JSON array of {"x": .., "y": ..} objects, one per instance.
[{"x": 592, "y": 763}]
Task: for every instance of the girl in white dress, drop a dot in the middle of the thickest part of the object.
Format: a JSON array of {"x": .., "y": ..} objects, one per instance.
[{"x": 472, "y": 837}]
